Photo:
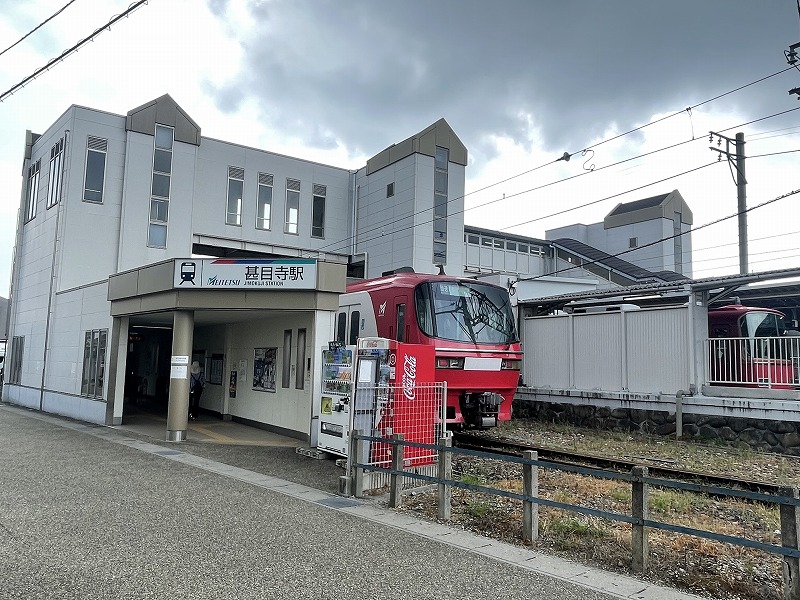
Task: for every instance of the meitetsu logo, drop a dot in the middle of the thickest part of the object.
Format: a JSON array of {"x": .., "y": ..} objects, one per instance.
[
  {"x": 215, "y": 282},
  {"x": 409, "y": 376}
]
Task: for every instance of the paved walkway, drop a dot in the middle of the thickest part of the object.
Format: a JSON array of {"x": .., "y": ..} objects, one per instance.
[{"x": 93, "y": 512}]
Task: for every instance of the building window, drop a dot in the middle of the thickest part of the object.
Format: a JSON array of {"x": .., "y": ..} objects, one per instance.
[
  {"x": 33, "y": 190},
  {"x": 677, "y": 242},
  {"x": 523, "y": 248},
  {"x": 94, "y": 363},
  {"x": 511, "y": 246},
  {"x": 300, "y": 374},
  {"x": 318, "y": 211},
  {"x": 96, "y": 149},
  {"x": 286, "y": 372},
  {"x": 473, "y": 239},
  {"x": 264, "y": 201},
  {"x": 633, "y": 242},
  {"x": 54, "y": 177},
  {"x": 14, "y": 367},
  {"x": 292, "y": 206},
  {"x": 440, "y": 186},
  {"x": 390, "y": 189},
  {"x": 233, "y": 210},
  {"x": 160, "y": 187}
]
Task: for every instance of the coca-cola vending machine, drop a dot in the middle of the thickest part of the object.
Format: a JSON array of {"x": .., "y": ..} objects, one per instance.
[{"x": 388, "y": 398}]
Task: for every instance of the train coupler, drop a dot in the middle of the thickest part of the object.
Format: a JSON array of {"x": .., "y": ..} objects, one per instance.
[{"x": 480, "y": 409}]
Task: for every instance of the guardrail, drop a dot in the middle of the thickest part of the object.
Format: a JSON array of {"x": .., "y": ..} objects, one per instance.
[
  {"x": 788, "y": 500},
  {"x": 768, "y": 362}
]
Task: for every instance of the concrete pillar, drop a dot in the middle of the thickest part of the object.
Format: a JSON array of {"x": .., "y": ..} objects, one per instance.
[
  {"x": 117, "y": 362},
  {"x": 698, "y": 333},
  {"x": 178, "y": 411}
]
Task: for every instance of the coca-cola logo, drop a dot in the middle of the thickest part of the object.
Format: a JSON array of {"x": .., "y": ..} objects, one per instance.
[{"x": 409, "y": 376}]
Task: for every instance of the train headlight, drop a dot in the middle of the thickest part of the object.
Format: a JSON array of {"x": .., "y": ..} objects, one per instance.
[
  {"x": 512, "y": 365},
  {"x": 449, "y": 363}
]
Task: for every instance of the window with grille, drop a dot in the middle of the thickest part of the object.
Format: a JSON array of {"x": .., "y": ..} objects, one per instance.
[
  {"x": 94, "y": 363},
  {"x": 292, "y": 206},
  {"x": 264, "y": 201},
  {"x": 54, "y": 177},
  {"x": 318, "y": 211},
  {"x": 13, "y": 370},
  {"x": 33, "y": 190},
  {"x": 160, "y": 186},
  {"x": 233, "y": 211},
  {"x": 440, "y": 190},
  {"x": 94, "y": 180}
]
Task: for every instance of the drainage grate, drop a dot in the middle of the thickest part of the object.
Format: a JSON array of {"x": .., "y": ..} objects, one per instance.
[{"x": 336, "y": 502}]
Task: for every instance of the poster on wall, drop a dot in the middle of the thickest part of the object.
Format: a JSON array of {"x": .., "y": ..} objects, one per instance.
[
  {"x": 264, "y": 369},
  {"x": 232, "y": 385},
  {"x": 216, "y": 369}
]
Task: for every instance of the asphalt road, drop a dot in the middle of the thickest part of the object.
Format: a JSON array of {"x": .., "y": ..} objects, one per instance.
[{"x": 90, "y": 517}]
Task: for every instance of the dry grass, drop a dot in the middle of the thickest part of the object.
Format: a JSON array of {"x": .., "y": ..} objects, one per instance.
[{"x": 706, "y": 567}]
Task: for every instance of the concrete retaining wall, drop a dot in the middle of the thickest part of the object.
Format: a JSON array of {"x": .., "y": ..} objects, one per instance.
[{"x": 772, "y": 436}]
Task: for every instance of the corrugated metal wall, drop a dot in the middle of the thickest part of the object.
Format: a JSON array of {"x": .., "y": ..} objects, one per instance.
[
  {"x": 658, "y": 350},
  {"x": 645, "y": 351},
  {"x": 547, "y": 352}
]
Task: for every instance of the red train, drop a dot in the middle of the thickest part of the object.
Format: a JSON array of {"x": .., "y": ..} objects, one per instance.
[{"x": 469, "y": 323}]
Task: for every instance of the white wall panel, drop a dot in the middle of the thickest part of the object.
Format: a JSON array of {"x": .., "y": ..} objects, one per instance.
[
  {"x": 657, "y": 348},
  {"x": 598, "y": 351},
  {"x": 546, "y": 352}
]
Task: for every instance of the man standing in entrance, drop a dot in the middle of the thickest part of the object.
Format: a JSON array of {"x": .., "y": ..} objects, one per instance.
[{"x": 197, "y": 382}]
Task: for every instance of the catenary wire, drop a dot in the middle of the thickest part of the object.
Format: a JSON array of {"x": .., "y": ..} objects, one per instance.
[
  {"x": 666, "y": 238},
  {"x": 69, "y": 51},
  {"x": 347, "y": 241},
  {"x": 54, "y": 15}
]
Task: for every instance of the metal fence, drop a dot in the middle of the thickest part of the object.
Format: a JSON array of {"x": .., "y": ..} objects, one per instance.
[
  {"x": 417, "y": 416},
  {"x": 768, "y": 362},
  {"x": 788, "y": 501}
]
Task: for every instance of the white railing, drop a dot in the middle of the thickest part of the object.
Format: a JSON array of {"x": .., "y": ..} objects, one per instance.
[{"x": 766, "y": 362}]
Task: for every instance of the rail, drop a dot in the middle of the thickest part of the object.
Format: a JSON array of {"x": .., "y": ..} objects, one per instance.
[
  {"x": 766, "y": 362},
  {"x": 639, "y": 478}
]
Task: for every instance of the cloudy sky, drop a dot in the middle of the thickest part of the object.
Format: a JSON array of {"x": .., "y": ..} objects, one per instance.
[{"x": 520, "y": 81}]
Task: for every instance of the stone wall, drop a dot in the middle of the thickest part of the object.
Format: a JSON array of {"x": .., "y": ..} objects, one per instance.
[{"x": 772, "y": 436}]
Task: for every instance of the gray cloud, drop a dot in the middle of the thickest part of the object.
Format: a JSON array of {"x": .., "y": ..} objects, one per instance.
[{"x": 370, "y": 73}]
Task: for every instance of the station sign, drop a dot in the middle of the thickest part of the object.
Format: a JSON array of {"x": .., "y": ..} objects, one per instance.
[{"x": 246, "y": 273}]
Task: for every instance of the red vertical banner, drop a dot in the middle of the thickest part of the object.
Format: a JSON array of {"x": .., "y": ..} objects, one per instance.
[{"x": 415, "y": 408}]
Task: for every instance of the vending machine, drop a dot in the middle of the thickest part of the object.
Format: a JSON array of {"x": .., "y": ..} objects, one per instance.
[
  {"x": 334, "y": 421},
  {"x": 374, "y": 387}
]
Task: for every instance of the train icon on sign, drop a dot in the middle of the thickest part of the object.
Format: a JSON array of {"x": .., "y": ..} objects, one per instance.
[{"x": 188, "y": 272}]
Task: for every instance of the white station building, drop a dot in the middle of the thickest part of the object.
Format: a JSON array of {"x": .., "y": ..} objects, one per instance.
[{"x": 143, "y": 246}]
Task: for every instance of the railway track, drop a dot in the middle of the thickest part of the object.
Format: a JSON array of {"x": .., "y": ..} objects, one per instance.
[{"x": 557, "y": 455}]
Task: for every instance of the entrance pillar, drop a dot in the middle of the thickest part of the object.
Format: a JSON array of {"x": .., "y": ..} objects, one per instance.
[{"x": 178, "y": 409}]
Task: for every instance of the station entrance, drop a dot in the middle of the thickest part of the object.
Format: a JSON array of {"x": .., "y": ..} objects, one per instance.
[{"x": 255, "y": 344}]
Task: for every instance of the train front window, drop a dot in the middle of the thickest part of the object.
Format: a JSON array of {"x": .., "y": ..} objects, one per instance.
[{"x": 465, "y": 312}]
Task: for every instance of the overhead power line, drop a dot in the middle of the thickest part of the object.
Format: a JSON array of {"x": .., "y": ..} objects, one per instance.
[
  {"x": 69, "y": 51},
  {"x": 664, "y": 239},
  {"x": 346, "y": 242},
  {"x": 55, "y": 14}
]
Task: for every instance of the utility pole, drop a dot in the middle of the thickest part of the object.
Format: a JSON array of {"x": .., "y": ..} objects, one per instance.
[{"x": 736, "y": 161}]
